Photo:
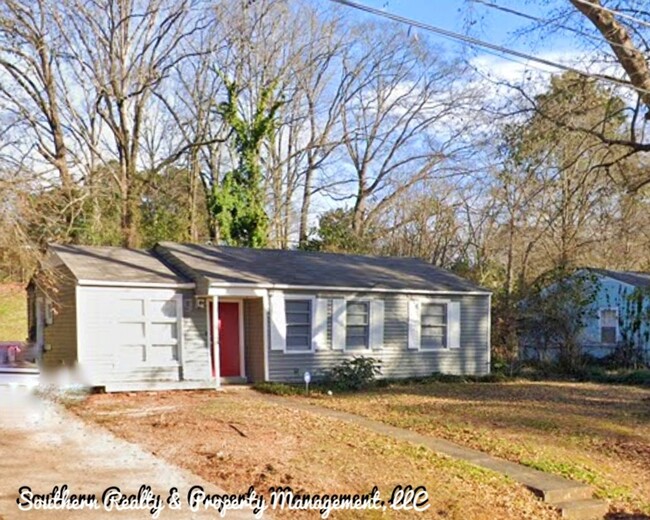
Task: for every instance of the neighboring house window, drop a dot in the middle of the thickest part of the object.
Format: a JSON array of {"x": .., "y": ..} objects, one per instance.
[
  {"x": 608, "y": 325},
  {"x": 433, "y": 322},
  {"x": 298, "y": 313},
  {"x": 357, "y": 325}
]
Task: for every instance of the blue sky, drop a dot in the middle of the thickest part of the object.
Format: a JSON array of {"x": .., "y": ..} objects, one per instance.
[{"x": 494, "y": 26}]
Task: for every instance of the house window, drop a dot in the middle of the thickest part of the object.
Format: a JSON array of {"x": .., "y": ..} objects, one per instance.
[
  {"x": 298, "y": 313},
  {"x": 608, "y": 325},
  {"x": 149, "y": 331},
  {"x": 357, "y": 325},
  {"x": 433, "y": 322}
]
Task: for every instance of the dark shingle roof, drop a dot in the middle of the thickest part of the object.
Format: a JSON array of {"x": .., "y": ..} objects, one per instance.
[
  {"x": 634, "y": 278},
  {"x": 115, "y": 264},
  {"x": 223, "y": 265}
]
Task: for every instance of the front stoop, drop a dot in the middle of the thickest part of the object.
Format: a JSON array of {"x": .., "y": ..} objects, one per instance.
[
  {"x": 573, "y": 499},
  {"x": 586, "y": 509}
]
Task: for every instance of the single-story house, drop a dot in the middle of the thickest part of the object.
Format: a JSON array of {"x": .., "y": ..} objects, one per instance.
[
  {"x": 615, "y": 315},
  {"x": 194, "y": 316},
  {"x": 620, "y": 313}
]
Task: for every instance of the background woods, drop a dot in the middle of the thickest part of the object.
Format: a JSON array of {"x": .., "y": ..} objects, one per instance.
[{"x": 282, "y": 124}]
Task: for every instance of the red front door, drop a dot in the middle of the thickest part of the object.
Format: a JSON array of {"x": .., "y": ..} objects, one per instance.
[{"x": 229, "y": 355}]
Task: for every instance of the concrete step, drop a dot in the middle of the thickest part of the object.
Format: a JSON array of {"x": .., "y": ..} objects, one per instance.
[
  {"x": 586, "y": 509},
  {"x": 564, "y": 492}
]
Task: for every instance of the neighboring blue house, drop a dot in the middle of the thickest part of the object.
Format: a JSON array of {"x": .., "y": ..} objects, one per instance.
[
  {"x": 615, "y": 323},
  {"x": 620, "y": 314}
]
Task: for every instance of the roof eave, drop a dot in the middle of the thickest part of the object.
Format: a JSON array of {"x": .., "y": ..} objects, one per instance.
[{"x": 383, "y": 290}]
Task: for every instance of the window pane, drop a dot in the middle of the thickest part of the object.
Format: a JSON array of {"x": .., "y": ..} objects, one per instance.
[
  {"x": 162, "y": 308},
  {"x": 131, "y": 308},
  {"x": 131, "y": 333},
  {"x": 428, "y": 321},
  {"x": 434, "y": 309},
  {"x": 608, "y": 318},
  {"x": 608, "y": 335},
  {"x": 356, "y": 319},
  {"x": 431, "y": 342},
  {"x": 356, "y": 342},
  {"x": 298, "y": 318},
  {"x": 298, "y": 330},
  {"x": 434, "y": 331},
  {"x": 297, "y": 305},
  {"x": 298, "y": 314},
  {"x": 357, "y": 308},
  {"x": 163, "y": 353},
  {"x": 164, "y": 333},
  {"x": 298, "y": 343}
]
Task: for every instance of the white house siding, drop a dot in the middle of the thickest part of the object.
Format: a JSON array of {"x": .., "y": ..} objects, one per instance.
[
  {"x": 101, "y": 309},
  {"x": 397, "y": 360},
  {"x": 196, "y": 353}
]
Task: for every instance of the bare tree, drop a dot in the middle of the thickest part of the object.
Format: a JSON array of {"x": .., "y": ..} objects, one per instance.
[
  {"x": 33, "y": 94},
  {"x": 126, "y": 49},
  {"x": 403, "y": 121}
]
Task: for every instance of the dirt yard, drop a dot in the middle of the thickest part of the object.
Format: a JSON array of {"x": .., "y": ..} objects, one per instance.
[
  {"x": 236, "y": 440},
  {"x": 597, "y": 434}
]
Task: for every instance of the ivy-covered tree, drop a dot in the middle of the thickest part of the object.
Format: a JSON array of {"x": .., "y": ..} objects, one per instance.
[
  {"x": 554, "y": 316},
  {"x": 237, "y": 204},
  {"x": 634, "y": 327}
]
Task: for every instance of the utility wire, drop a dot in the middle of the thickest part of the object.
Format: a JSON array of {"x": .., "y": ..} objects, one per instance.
[
  {"x": 612, "y": 11},
  {"x": 484, "y": 44},
  {"x": 546, "y": 21}
]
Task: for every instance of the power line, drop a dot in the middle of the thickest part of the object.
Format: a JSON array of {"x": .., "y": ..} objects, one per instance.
[
  {"x": 484, "y": 44},
  {"x": 612, "y": 11},
  {"x": 532, "y": 18}
]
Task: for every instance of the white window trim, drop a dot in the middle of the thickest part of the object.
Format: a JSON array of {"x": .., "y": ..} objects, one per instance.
[
  {"x": 424, "y": 301},
  {"x": 146, "y": 321},
  {"x": 311, "y": 349},
  {"x": 368, "y": 347},
  {"x": 600, "y": 325}
]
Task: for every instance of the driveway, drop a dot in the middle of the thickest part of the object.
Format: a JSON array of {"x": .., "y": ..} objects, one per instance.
[{"x": 44, "y": 446}]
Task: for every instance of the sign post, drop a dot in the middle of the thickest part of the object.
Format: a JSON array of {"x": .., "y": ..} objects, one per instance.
[{"x": 307, "y": 381}]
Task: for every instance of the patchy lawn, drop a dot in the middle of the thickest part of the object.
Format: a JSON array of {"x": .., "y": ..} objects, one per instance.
[
  {"x": 13, "y": 312},
  {"x": 597, "y": 434},
  {"x": 236, "y": 440}
]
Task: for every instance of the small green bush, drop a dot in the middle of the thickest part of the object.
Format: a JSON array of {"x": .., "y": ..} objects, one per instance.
[
  {"x": 353, "y": 374},
  {"x": 451, "y": 378},
  {"x": 638, "y": 377},
  {"x": 278, "y": 388}
]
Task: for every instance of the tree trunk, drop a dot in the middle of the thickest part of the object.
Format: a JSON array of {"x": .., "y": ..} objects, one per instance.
[{"x": 631, "y": 59}]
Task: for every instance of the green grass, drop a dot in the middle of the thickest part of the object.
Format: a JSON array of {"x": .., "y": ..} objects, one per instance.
[
  {"x": 593, "y": 433},
  {"x": 13, "y": 313}
]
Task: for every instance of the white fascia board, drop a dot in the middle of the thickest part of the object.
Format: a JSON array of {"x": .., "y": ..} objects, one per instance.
[
  {"x": 215, "y": 287},
  {"x": 237, "y": 291},
  {"x": 144, "y": 285}
]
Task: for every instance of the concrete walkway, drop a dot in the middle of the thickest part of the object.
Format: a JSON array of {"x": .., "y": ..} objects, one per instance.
[
  {"x": 572, "y": 499},
  {"x": 42, "y": 446}
]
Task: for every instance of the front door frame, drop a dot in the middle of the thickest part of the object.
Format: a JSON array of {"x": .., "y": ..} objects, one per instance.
[{"x": 240, "y": 312}]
